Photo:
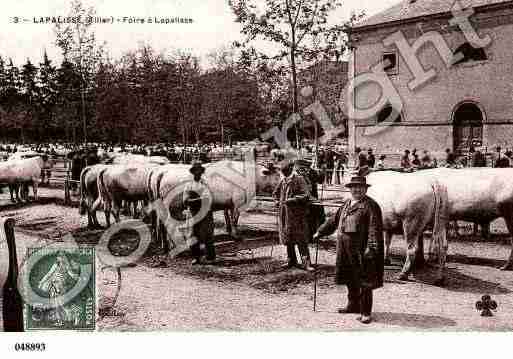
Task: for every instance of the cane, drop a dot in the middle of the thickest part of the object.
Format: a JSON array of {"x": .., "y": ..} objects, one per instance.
[{"x": 316, "y": 257}]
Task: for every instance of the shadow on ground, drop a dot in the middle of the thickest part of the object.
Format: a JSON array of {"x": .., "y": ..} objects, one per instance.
[
  {"x": 475, "y": 261},
  {"x": 416, "y": 321},
  {"x": 458, "y": 282}
]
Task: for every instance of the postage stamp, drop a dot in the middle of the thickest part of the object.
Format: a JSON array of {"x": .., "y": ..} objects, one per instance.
[{"x": 60, "y": 290}]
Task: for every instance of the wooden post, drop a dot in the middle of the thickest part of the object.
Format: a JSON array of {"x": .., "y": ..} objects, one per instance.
[
  {"x": 67, "y": 198},
  {"x": 12, "y": 304}
]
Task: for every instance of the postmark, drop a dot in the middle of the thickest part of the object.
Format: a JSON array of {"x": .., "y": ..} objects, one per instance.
[{"x": 59, "y": 289}]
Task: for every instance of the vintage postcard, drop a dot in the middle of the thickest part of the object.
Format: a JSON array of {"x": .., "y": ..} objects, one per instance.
[{"x": 258, "y": 166}]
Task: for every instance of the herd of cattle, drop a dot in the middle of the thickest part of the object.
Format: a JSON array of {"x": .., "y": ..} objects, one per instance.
[
  {"x": 410, "y": 202},
  {"x": 107, "y": 187}
]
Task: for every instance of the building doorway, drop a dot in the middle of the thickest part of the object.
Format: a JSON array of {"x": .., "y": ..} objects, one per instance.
[{"x": 467, "y": 128}]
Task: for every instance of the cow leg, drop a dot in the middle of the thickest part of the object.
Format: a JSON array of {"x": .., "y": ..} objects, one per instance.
[
  {"x": 95, "y": 207},
  {"x": 126, "y": 207},
  {"x": 107, "y": 210},
  {"x": 135, "y": 205},
  {"x": 131, "y": 208},
  {"x": 116, "y": 209},
  {"x": 96, "y": 224},
  {"x": 235, "y": 221},
  {"x": 92, "y": 220},
  {"x": 508, "y": 218},
  {"x": 11, "y": 192},
  {"x": 412, "y": 230},
  {"x": 420, "y": 261},
  {"x": 164, "y": 243},
  {"x": 161, "y": 232},
  {"x": 137, "y": 213},
  {"x": 485, "y": 230},
  {"x": 89, "y": 220},
  {"x": 34, "y": 188},
  {"x": 228, "y": 220},
  {"x": 24, "y": 189},
  {"x": 388, "y": 242},
  {"x": 442, "y": 259},
  {"x": 19, "y": 193}
]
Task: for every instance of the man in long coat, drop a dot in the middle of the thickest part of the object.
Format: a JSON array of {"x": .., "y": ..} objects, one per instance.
[
  {"x": 312, "y": 178},
  {"x": 360, "y": 251},
  {"x": 293, "y": 197},
  {"x": 203, "y": 230}
]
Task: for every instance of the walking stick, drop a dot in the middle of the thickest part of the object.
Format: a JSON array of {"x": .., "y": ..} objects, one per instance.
[{"x": 316, "y": 258}]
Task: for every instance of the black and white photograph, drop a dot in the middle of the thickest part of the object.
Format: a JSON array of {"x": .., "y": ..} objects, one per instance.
[{"x": 255, "y": 166}]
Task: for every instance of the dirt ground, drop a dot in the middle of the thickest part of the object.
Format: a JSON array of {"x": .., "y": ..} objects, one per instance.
[{"x": 246, "y": 289}]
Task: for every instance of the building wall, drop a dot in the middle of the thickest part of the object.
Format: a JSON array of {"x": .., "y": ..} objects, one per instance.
[
  {"x": 427, "y": 111},
  {"x": 395, "y": 139}
]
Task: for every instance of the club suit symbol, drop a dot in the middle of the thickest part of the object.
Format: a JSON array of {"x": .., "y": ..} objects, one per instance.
[{"x": 486, "y": 305}]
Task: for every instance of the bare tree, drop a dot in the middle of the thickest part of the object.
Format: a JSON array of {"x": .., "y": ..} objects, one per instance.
[{"x": 78, "y": 44}]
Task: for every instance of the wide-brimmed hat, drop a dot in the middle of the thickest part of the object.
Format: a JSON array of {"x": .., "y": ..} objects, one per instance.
[
  {"x": 197, "y": 167},
  {"x": 357, "y": 181}
]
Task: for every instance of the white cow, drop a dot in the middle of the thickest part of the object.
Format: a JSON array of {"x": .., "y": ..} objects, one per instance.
[
  {"x": 478, "y": 195},
  {"x": 24, "y": 172},
  {"x": 130, "y": 159}
]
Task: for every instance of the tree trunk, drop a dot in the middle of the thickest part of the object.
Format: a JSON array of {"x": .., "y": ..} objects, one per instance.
[{"x": 294, "y": 85}]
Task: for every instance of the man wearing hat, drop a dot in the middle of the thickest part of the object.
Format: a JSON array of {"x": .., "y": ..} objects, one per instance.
[
  {"x": 360, "y": 251},
  {"x": 312, "y": 178},
  {"x": 194, "y": 196},
  {"x": 293, "y": 197}
]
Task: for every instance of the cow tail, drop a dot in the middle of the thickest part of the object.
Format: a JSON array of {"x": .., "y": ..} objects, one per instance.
[
  {"x": 151, "y": 195},
  {"x": 102, "y": 190},
  {"x": 441, "y": 218},
  {"x": 82, "y": 185},
  {"x": 157, "y": 185}
]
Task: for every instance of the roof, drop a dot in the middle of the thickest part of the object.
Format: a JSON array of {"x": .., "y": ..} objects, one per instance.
[{"x": 408, "y": 9}]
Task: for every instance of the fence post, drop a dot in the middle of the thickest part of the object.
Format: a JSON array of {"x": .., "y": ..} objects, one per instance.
[
  {"x": 67, "y": 198},
  {"x": 12, "y": 303}
]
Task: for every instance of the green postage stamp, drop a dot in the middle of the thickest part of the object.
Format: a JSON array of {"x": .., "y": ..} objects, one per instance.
[{"x": 59, "y": 289}]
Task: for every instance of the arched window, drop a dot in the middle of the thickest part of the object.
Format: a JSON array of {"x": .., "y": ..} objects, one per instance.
[
  {"x": 467, "y": 52},
  {"x": 389, "y": 114}
]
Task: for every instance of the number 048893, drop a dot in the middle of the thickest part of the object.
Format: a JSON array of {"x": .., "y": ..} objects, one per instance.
[{"x": 30, "y": 347}]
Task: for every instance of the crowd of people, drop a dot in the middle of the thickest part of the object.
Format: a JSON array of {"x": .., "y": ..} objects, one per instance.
[
  {"x": 332, "y": 161},
  {"x": 475, "y": 157}
]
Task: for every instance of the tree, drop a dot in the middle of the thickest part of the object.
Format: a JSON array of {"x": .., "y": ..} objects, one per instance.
[
  {"x": 231, "y": 100},
  {"x": 48, "y": 94},
  {"x": 30, "y": 96},
  {"x": 79, "y": 46},
  {"x": 299, "y": 30},
  {"x": 12, "y": 100},
  {"x": 68, "y": 104},
  {"x": 3, "y": 80},
  {"x": 12, "y": 83}
]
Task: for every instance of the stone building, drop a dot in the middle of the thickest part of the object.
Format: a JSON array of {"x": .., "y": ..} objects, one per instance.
[{"x": 454, "y": 90}]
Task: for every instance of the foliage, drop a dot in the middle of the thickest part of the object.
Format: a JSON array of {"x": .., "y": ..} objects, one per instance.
[
  {"x": 299, "y": 32},
  {"x": 150, "y": 97}
]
